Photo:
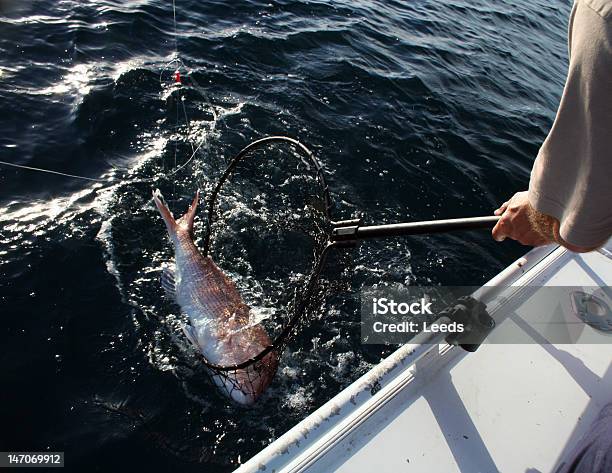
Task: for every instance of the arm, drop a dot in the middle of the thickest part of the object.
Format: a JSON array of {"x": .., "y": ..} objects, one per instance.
[
  {"x": 570, "y": 190},
  {"x": 521, "y": 222}
]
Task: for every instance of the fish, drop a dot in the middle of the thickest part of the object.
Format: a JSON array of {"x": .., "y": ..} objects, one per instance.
[{"x": 220, "y": 325}]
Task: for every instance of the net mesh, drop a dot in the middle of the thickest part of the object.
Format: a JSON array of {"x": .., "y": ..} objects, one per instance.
[{"x": 268, "y": 227}]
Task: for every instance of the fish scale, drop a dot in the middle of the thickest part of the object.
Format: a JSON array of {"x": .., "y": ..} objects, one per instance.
[{"x": 218, "y": 316}]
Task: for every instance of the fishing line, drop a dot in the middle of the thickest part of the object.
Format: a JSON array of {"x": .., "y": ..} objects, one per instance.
[
  {"x": 195, "y": 151},
  {"x": 180, "y": 103},
  {"x": 49, "y": 171},
  {"x": 187, "y": 122},
  {"x": 174, "y": 17},
  {"x": 176, "y": 130}
]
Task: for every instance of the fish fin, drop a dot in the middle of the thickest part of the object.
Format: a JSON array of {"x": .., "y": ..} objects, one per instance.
[
  {"x": 190, "y": 334},
  {"x": 186, "y": 221},
  {"x": 158, "y": 198},
  {"x": 168, "y": 282}
]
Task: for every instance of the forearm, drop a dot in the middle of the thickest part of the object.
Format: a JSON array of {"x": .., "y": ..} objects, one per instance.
[
  {"x": 569, "y": 191},
  {"x": 570, "y": 179},
  {"x": 543, "y": 224},
  {"x": 548, "y": 228}
]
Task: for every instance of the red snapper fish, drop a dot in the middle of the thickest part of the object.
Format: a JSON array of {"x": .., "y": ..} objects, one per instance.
[{"x": 220, "y": 325}]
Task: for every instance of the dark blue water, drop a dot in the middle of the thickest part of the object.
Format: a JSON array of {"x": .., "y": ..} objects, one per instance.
[{"x": 417, "y": 110}]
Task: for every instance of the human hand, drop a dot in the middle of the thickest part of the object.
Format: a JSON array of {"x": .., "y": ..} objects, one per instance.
[{"x": 516, "y": 222}]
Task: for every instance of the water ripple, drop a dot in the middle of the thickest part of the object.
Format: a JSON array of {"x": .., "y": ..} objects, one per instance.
[{"x": 417, "y": 110}]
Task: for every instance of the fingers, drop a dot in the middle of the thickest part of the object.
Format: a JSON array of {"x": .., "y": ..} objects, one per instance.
[
  {"x": 504, "y": 227},
  {"x": 502, "y": 208},
  {"x": 515, "y": 224},
  {"x": 501, "y": 229}
]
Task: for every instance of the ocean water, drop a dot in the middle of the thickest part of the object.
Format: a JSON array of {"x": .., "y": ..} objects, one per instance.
[{"x": 417, "y": 110}]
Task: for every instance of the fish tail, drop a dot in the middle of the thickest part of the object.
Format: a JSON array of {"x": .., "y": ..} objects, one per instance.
[
  {"x": 171, "y": 224},
  {"x": 186, "y": 221}
]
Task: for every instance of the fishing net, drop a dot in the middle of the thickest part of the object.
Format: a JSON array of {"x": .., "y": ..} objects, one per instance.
[
  {"x": 268, "y": 224},
  {"x": 268, "y": 220}
]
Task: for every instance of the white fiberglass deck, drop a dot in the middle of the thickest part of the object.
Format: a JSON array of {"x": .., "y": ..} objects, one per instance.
[{"x": 506, "y": 407}]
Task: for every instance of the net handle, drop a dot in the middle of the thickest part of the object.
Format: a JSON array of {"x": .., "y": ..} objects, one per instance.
[{"x": 304, "y": 151}]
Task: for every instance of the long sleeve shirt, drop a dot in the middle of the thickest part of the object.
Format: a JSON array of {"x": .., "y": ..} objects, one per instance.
[{"x": 571, "y": 179}]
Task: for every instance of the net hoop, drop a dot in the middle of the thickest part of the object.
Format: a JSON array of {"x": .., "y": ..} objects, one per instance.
[
  {"x": 300, "y": 307},
  {"x": 304, "y": 151}
]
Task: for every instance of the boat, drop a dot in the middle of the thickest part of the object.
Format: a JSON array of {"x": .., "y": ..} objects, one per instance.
[{"x": 519, "y": 403}]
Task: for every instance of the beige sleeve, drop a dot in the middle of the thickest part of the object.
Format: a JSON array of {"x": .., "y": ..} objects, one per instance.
[{"x": 571, "y": 179}]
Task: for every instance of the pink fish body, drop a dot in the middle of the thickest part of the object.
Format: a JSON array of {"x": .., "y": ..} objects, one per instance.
[{"x": 220, "y": 326}]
